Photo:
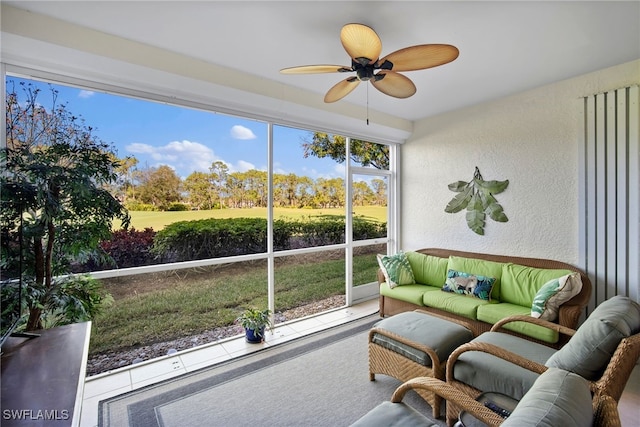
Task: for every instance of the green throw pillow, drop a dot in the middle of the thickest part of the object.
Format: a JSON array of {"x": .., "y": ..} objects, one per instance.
[
  {"x": 396, "y": 269},
  {"x": 553, "y": 294}
]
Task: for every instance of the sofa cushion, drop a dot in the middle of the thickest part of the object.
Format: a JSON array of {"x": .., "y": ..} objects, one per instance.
[
  {"x": 453, "y": 303},
  {"x": 460, "y": 282},
  {"x": 409, "y": 293},
  {"x": 589, "y": 350},
  {"x": 553, "y": 294},
  {"x": 520, "y": 283},
  {"x": 428, "y": 269},
  {"x": 492, "y": 313},
  {"x": 396, "y": 269},
  {"x": 489, "y": 373},
  {"x": 479, "y": 267},
  {"x": 557, "y": 398}
]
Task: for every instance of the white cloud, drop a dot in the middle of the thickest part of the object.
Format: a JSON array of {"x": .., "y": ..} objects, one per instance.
[
  {"x": 182, "y": 156},
  {"x": 337, "y": 171},
  {"x": 241, "y": 132},
  {"x": 242, "y": 166},
  {"x": 86, "y": 94},
  {"x": 139, "y": 148}
]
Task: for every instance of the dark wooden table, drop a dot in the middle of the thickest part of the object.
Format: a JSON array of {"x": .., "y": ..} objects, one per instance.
[{"x": 43, "y": 378}]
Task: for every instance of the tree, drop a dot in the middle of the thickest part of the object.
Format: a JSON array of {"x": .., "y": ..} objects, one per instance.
[
  {"x": 159, "y": 186},
  {"x": 380, "y": 190},
  {"x": 362, "y": 193},
  {"x": 364, "y": 153},
  {"x": 328, "y": 193},
  {"x": 219, "y": 172},
  {"x": 125, "y": 176},
  {"x": 53, "y": 195},
  {"x": 286, "y": 189},
  {"x": 256, "y": 185},
  {"x": 199, "y": 188}
]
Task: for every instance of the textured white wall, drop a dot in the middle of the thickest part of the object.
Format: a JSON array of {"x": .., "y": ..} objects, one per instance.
[{"x": 532, "y": 140}]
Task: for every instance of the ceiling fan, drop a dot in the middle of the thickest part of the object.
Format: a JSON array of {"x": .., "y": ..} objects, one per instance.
[{"x": 364, "y": 47}]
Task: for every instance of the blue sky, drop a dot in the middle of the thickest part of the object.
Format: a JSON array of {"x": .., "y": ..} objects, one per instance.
[{"x": 185, "y": 139}]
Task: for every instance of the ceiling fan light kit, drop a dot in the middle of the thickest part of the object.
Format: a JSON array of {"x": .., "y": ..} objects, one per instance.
[{"x": 364, "y": 47}]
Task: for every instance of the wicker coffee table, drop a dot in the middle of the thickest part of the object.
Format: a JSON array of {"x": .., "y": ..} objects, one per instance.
[{"x": 415, "y": 344}]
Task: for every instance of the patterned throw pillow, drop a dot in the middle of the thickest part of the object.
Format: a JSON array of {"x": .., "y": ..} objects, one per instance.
[
  {"x": 396, "y": 269},
  {"x": 553, "y": 294},
  {"x": 468, "y": 284}
]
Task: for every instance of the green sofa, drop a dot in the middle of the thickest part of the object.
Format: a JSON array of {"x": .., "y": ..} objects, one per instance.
[{"x": 517, "y": 281}]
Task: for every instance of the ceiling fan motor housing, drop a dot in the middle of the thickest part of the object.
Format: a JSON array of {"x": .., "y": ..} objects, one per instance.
[
  {"x": 364, "y": 69},
  {"x": 364, "y": 73}
]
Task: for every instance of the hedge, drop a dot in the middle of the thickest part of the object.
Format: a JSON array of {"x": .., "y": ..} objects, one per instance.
[{"x": 216, "y": 238}]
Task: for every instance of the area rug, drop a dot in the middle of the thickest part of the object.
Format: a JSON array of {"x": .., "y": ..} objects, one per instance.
[{"x": 318, "y": 380}]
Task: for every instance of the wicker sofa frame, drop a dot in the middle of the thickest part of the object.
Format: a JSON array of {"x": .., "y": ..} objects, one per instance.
[
  {"x": 611, "y": 383},
  {"x": 568, "y": 316}
]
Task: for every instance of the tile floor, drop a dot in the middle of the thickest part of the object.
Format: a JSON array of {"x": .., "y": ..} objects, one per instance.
[
  {"x": 122, "y": 380},
  {"x": 103, "y": 386}
]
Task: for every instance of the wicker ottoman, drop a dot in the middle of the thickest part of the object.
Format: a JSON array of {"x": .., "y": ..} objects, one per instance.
[{"x": 415, "y": 344}]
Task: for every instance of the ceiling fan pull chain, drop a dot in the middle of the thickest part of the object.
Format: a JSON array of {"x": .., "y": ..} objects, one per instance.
[{"x": 367, "y": 105}]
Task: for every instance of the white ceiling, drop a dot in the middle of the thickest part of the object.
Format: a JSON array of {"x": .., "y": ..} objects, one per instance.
[{"x": 505, "y": 47}]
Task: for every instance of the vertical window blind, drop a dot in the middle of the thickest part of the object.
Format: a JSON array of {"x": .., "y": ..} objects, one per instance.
[{"x": 610, "y": 193}]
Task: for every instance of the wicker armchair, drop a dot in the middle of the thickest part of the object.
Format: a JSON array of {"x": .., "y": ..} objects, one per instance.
[
  {"x": 610, "y": 383},
  {"x": 605, "y": 409}
]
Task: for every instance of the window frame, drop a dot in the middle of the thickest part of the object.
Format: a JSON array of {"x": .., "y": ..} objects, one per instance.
[{"x": 171, "y": 97}]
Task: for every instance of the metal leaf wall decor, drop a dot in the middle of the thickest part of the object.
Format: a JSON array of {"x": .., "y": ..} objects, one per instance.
[{"x": 477, "y": 196}]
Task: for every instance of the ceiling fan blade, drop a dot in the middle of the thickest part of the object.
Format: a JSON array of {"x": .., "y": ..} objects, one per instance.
[
  {"x": 420, "y": 57},
  {"x": 393, "y": 84},
  {"x": 361, "y": 43},
  {"x": 316, "y": 69},
  {"x": 342, "y": 89}
]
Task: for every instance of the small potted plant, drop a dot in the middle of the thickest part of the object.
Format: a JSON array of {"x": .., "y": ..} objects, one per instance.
[{"x": 254, "y": 322}]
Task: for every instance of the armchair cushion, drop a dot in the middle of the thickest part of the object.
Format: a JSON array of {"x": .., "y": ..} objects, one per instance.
[
  {"x": 389, "y": 414},
  {"x": 486, "y": 372},
  {"x": 589, "y": 351},
  {"x": 557, "y": 398},
  {"x": 438, "y": 334}
]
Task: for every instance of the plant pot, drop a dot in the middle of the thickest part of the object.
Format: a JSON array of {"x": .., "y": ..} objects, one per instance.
[{"x": 253, "y": 337}]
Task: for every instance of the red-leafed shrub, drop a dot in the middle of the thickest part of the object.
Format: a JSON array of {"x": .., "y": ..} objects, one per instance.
[{"x": 130, "y": 248}]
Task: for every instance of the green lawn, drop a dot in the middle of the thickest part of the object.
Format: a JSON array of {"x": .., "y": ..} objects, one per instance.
[
  {"x": 168, "y": 306},
  {"x": 158, "y": 220}
]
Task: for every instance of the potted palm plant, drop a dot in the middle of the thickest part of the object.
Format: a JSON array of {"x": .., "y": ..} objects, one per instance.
[{"x": 254, "y": 322}]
